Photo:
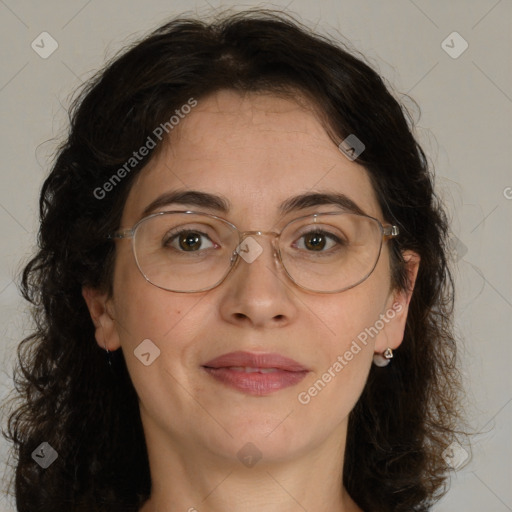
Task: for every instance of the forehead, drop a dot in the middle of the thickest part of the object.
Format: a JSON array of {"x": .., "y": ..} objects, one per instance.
[{"x": 255, "y": 151}]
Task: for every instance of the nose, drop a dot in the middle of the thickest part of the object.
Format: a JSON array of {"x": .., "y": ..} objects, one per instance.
[{"x": 257, "y": 291}]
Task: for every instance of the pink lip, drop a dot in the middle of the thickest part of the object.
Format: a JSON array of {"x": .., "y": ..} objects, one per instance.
[
  {"x": 230, "y": 370},
  {"x": 253, "y": 360}
]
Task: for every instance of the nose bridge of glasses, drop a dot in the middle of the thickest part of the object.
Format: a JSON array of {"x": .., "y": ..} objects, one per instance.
[{"x": 253, "y": 246}]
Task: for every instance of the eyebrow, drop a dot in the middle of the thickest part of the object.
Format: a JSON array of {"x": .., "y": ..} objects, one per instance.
[{"x": 222, "y": 205}]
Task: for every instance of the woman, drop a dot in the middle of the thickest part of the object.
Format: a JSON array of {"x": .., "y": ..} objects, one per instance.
[{"x": 242, "y": 222}]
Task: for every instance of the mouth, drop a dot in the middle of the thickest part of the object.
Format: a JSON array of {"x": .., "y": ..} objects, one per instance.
[
  {"x": 255, "y": 374},
  {"x": 251, "y": 370}
]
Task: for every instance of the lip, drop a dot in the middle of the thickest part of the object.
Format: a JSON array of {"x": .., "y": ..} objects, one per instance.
[
  {"x": 256, "y": 360},
  {"x": 256, "y": 373}
]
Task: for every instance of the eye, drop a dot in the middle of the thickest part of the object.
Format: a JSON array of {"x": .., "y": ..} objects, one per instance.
[
  {"x": 317, "y": 241},
  {"x": 187, "y": 240}
]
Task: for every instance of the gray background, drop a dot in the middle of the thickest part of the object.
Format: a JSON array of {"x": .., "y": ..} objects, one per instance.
[{"x": 465, "y": 128}]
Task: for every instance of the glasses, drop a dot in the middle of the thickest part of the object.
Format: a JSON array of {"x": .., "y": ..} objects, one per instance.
[{"x": 187, "y": 252}]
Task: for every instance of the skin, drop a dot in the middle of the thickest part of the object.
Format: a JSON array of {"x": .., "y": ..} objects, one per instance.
[{"x": 255, "y": 150}]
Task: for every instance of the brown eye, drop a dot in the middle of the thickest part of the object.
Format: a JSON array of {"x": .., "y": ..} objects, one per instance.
[
  {"x": 188, "y": 241},
  {"x": 317, "y": 241}
]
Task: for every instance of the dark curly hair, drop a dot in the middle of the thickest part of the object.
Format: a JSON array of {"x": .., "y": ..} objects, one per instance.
[{"x": 66, "y": 395}]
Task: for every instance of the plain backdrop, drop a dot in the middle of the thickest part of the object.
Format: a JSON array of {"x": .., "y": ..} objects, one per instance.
[{"x": 465, "y": 96}]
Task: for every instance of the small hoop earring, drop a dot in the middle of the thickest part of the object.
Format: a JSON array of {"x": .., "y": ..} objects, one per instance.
[
  {"x": 383, "y": 359},
  {"x": 108, "y": 356},
  {"x": 108, "y": 353}
]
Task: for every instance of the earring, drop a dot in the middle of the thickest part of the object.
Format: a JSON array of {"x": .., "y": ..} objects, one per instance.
[
  {"x": 383, "y": 359},
  {"x": 108, "y": 357}
]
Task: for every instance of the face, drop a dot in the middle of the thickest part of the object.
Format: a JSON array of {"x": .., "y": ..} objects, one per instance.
[{"x": 255, "y": 151}]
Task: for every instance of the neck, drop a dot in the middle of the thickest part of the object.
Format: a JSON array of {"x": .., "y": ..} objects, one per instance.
[{"x": 193, "y": 479}]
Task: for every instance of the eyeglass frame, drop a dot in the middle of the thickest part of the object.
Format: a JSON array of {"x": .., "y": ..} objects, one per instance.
[{"x": 389, "y": 231}]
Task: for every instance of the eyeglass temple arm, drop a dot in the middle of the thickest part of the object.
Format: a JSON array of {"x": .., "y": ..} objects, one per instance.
[
  {"x": 125, "y": 233},
  {"x": 391, "y": 231}
]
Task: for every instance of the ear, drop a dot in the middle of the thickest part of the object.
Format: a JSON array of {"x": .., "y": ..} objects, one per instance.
[
  {"x": 397, "y": 307},
  {"x": 102, "y": 315}
]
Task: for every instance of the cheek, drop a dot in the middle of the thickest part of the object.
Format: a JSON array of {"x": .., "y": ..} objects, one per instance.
[
  {"x": 157, "y": 332},
  {"x": 145, "y": 312},
  {"x": 333, "y": 389},
  {"x": 345, "y": 316},
  {"x": 353, "y": 323}
]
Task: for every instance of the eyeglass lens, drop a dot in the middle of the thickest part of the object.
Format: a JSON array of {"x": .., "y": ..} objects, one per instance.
[{"x": 186, "y": 252}]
